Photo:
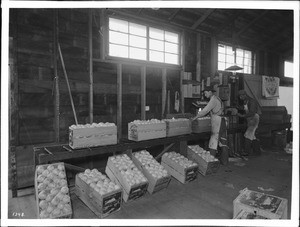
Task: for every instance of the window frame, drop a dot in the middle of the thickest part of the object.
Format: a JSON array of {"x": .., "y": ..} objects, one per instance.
[
  {"x": 252, "y": 59},
  {"x": 147, "y": 61}
]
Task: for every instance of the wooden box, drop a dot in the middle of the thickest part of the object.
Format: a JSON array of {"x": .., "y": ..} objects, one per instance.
[
  {"x": 247, "y": 215},
  {"x": 201, "y": 125},
  {"x": 129, "y": 192},
  {"x": 92, "y": 136},
  {"x": 155, "y": 185},
  {"x": 204, "y": 167},
  {"x": 139, "y": 132},
  {"x": 178, "y": 127},
  {"x": 182, "y": 174},
  {"x": 268, "y": 206},
  {"x": 101, "y": 205},
  {"x": 47, "y": 190}
]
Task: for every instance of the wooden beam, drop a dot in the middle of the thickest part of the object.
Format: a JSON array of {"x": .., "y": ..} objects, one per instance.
[
  {"x": 281, "y": 31},
  {"x": 119, "y": 98},
  {"x": 152, "y": 20},
  {"x": 202, "y": 18},
  {"x": 102, "y": 33},
  {"x": 173, "y": 15},
  {"x": 56, "y": 77},
  {"x": 91, "y": 76},
  {"x": 140, "y": 11},
  {"x": 164, "y": 91},
  {"x": 252, "y": 22},
  {"x": 143, "y": 94},
  {"x": 228, "y": 22}
]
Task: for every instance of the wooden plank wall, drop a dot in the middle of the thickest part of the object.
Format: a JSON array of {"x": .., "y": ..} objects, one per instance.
[{"x": 36, "y": 70}]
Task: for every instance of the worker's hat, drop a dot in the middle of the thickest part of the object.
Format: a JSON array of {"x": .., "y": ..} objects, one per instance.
[{"x": 209, "y": 88}]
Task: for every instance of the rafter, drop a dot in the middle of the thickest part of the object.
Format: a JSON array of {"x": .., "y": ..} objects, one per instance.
[
  {"x": 252, "y": 22},
  {"x": 174, "y": 14},
  {"x": 202, "y": 18},
  {"x": 228, "y": 22}
]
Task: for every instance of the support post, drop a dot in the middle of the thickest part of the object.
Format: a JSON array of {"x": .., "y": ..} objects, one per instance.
[
  {"x": 143, "y": 90},
  {"x": 119, "y": 109},
  {"x": 214, "y": 57},
  {"x": 56, "y": 78},
  {"x": 164, "y": 91},
  {"x": 91, "y": 91}
]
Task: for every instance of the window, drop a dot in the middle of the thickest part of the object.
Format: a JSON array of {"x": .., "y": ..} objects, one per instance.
[
  {"x": 288, "y": 69},
  {"x": 244, "y": 58},
  {"x": 136, "y": 41}
]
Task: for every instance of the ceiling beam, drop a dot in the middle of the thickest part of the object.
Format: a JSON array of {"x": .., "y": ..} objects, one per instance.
[
  {"x": 228, "y": 22},
  {"x": 281, "y": 31},
  {"x": 152, "y": 20},
  {"x": 202, "y": 18},
  {"x": 140, "y": 11},
  {"x": 173, "y": 15},
  {"x": 252, "y": 22}
]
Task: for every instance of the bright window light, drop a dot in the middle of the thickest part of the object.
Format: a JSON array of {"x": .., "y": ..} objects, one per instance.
[
  {"x": 244, "y": 58},
  {"x": 136, "y": 41},
  {"x": 288, "y": 69}
]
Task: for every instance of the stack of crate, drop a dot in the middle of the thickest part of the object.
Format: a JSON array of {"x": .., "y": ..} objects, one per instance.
[
  {"x": 92, "y": 135},
  {"x": 123, "y": 171},
  {"x": 179, "y": 167},
  {"x": 98, "y": 192},
  {"x": 146, "y": 130},
  {"x": 52, "y": 191},
  {"x": 207, "y": 163},
  {"x": 251, "y": 204},
  {"x": 180, "y": 126},
  {"x": 157, "y": 176}
]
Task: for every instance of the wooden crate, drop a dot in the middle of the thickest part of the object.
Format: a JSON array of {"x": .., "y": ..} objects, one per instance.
[
  {"x": 92, "y": 136},
  {"x": 129, "y": 193},
  {"x": 155, "y": 185},
  {"x": 201, "y": 125},
  {"x": 139, "y": 132},
  {"x": 204, "y": 167},
  {"x": 268, "y": 206},
  {"x": 189, "y": 174},
  {"x": 178, "y": 127},
  {"x": 101, "y": 205},
  {"x": 247, "y": 215},
  {"x": 37, "y": 191}
]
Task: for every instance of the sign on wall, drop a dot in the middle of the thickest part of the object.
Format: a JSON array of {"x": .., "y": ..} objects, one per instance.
[{"x": 270, "y": 87}]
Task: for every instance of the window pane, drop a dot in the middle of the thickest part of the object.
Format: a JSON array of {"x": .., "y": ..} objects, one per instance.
[
  {"x": 229, "y": 50},
  {"x": 118, "y": 25},
  {"x": 156, "y": 45},
  {"x": 171, "y": 37},
  {"x": 288, "y": 69},
  {"x": 239, "y": 61},
  {"x": 239, "y": 52},
  {"x": 221, "y": 48},
  {"x": 118, "y": 38},
  {"x": 118, "y": 51},
  {"x": 137, "y": 29},
  {"x": 137, "y": 53},
  {"x": 221, "y": 66},
  {"x": 171, "y": 58},
  {"x": 137, "y": 41},
  {"x": 230, "y": 59},
  {"x": 171, "y": 48},
  {"x": 247, "y": 61},
  {"x": 247, "y": 54},
  {"x": 156, "y": 33},
  {"x": 156, "y": 56},
  {"x": 221, "y": 57}
]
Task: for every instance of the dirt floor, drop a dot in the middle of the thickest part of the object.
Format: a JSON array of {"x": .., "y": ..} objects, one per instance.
[{"x": 208, "y": 197}]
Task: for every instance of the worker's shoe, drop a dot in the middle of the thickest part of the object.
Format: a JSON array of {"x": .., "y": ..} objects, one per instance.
[
  {"x": 213, "y": 152},
  {"x": 256, "y": 147}
]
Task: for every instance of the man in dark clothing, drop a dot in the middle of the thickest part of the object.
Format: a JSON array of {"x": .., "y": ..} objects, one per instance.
[{"x": 252, "y": 111}]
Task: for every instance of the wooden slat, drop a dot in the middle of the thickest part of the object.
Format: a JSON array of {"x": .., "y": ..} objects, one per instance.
[
  {"x": 143, "y": 94},
  {"x": 164, "y": 91},
  {"x": 202, "y": 18},
  {"x": 91, "y": 76},
  {"x": 119, "y": 94}
]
